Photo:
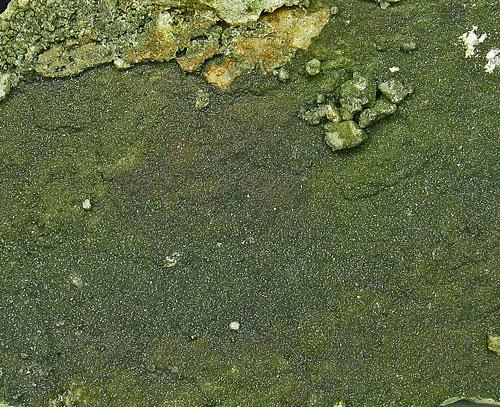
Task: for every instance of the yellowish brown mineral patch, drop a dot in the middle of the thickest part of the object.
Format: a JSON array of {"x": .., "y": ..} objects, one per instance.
[
  {"x": 200, "y": 50},
  {"x": 171, "y": 33},
  {"x": 223, "y": 74},
  {"x": 288, "y": 30},
  {"x": 62, "y": 61},
  {"x": 130, "y": 31},
  {"x": 161, "y": 42}
]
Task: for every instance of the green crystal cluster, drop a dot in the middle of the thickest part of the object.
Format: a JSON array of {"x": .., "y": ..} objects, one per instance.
[{"x": 351, "y": 107}]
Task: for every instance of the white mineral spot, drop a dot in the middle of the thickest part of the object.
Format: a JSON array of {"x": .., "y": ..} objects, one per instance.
[
  {"x": 121, "y": 64},
  {"x": 86, "y": 204},
  {"x": 282, "y": 74},
  {"x": 76, "y": 280},
  {"x": 171, "y": 261},
  {"x": 202, "y": 99},
  {"x": 165, "y": 20},
  {"x": 470, "y": 40},
  {"x": 394, "y": 69},
  {"x": 234, "y": 326},
  {"x": 7, "y": 81},
  {"x": 492, "y": 60}
]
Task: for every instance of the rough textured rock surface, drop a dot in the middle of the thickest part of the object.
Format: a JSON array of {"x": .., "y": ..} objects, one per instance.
[
  {"x": 63, "y": 38},
  {"x": 282, "y": 34},
  {"x": 243, "y": 11}
]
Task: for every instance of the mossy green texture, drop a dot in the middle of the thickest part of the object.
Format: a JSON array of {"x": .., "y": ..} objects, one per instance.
[
  {"x": 494, "y": 343},
  {"x": 368, "y": 276},
  {"x": 346, "y": 134},
  {"x": 355, "y": 94},
  {"x": 381, "y": 109},
  {"x": 64, "y": 38},
  {"x": 395, "y": 90}
]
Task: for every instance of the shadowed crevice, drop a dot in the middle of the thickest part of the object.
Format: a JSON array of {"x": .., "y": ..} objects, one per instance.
[{"x": 3, "y": 5}]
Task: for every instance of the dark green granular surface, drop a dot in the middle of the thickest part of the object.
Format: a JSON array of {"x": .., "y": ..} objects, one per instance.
[{"x": 369, "y": 276}]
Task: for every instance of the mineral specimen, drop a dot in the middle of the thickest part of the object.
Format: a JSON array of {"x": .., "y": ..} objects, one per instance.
[
  {"x": 382, "y": 108},
  {"x": 355, "y": 94},
  {"x": 394, "y": 90},
  {"x": 315, "y": 114},
  {"x": 470, "y": 40},
  {"x": 313, "y": 67},
  {"x": 354, "y": 104},
  {"x": 385, "y": 3},
  {"x": 344, "y": 135},
  {"x": 202, "y": 99},
  {"x": 7, "y": 81},
  {"x": 494, "y": 344},
  {"x": 270, "y": 46},
  {"x": 492, "y": 60},
  {"x": 61, "y": 38}
]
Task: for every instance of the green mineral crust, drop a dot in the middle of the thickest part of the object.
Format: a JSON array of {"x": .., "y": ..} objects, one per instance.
[
  {"x": 343, "y": 135},
  {"x": 355, "y": 105},
  {"x": 61, "y": 38},
  {"x": 494, "y": 343},
  {"x": 381, "y": 109},
  {"x": 243, "y": 11}
]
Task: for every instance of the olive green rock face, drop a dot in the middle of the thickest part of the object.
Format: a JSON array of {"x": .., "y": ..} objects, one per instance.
[
  {"x": 368, "y": 276},
  {"x": 381, "y": 109},
  {"x": 343, "y": 135},
  {"x": 395, "y": 90}
]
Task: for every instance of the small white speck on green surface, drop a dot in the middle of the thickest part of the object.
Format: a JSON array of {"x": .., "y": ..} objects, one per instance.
[
  {"x": 202, "y": 99},
  {"x": 234, "y": 326},
  {"x": 76, "y": 280},
  {"x": 171, "y": 261},
  {"x": 86, "y": 204}
]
